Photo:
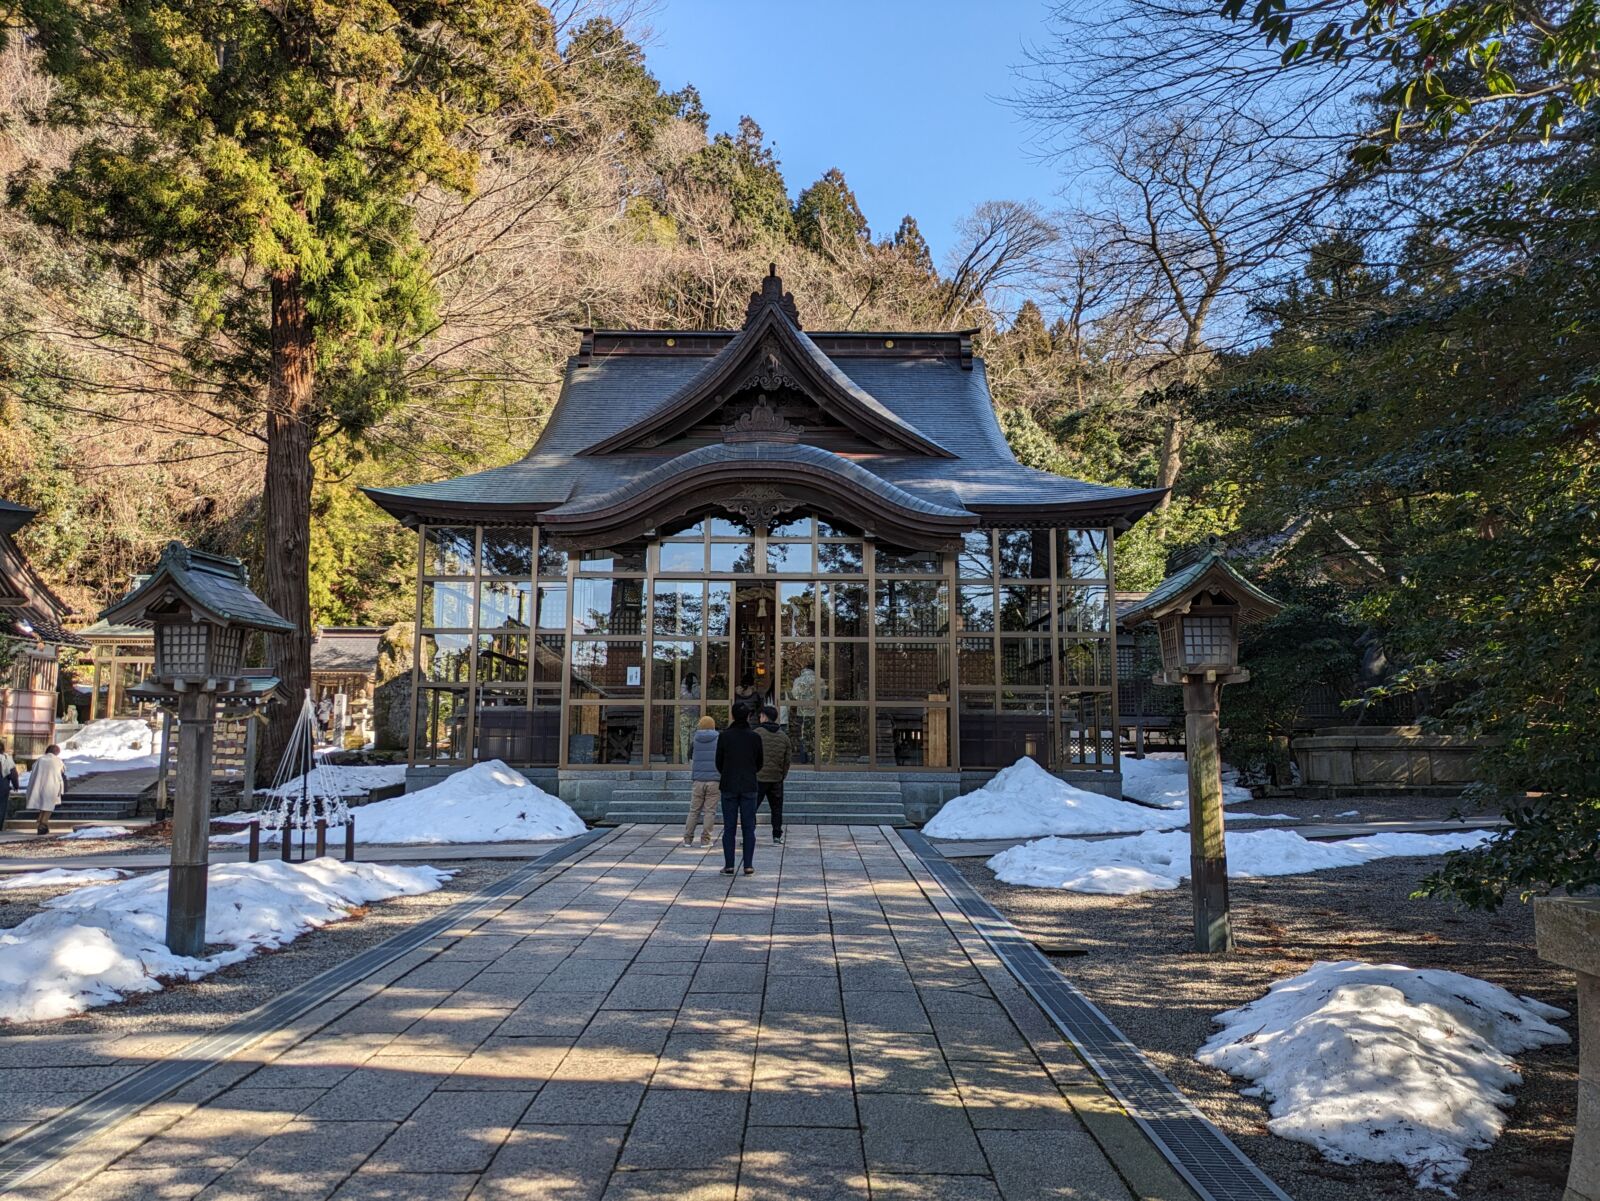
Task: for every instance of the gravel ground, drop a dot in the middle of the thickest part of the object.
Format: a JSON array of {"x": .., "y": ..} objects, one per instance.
[
  {"x": 1139, "y": 970},
  {"x": 187, "y": 1009},
  {"x": 1366, "y": 809},
  {"x": 50, "y": 847}
]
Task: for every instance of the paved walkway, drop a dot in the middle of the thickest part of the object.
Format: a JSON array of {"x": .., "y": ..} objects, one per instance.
[{"x": 644, "y": 1027}]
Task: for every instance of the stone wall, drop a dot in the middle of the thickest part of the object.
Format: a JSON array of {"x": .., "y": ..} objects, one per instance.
[{"x": 1384, "y": 757}]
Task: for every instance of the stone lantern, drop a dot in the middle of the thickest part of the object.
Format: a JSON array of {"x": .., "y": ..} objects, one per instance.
[
  {"x": 202, "y": 610},
  {"x": 1197, "y": 610}
]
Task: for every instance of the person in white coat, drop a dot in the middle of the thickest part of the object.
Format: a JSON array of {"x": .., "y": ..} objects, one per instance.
[{"x": 46, "y": 784}]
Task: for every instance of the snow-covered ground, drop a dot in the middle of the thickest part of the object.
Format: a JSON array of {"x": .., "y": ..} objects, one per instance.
[
  {"x": 61, "y": 877},
  {"x": 1384, "y": 1063},
  {"x": 99, "y": 944},
  {"x": 98, "y": 832},
  {"x": 336, "y": 779},
  {"x": 488, "y": 802},
  {"x": 110, "y": 744},
  {"x": 1162, "y": 779},
  {"x": 1155, "y": 861},
  {"x": 1025, "y": 801}
]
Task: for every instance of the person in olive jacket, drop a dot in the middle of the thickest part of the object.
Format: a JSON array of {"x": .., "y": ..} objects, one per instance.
[
  {"x": 775, "y": 757},
  {"x": 738, "y": 762}
]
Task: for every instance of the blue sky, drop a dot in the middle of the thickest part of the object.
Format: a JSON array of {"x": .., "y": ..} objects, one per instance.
[{"x": 907, "y": 98}]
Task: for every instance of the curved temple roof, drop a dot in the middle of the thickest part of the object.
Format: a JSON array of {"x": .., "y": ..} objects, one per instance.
[{"x": 902, "y": 422}]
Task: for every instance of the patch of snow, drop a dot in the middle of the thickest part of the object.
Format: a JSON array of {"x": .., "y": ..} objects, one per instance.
[
  {"x": 1025, "y": 801},
  {"x": 488, "y": 802},
  {"x": 100, "y": 944},
  {"x": 1262, "y": 817},
  {"x": 1162, "y": 779},
  {"x": 110, "y": 744},
  {"x": 1349, "y": 813},
  {"x": 1157, "y": 861},
  {"x": 1384, "y": 1063},
  {"x": 61, "y": 877},
  {"x": 98, "y": 832},
  {"x": 337, "y": 779}
]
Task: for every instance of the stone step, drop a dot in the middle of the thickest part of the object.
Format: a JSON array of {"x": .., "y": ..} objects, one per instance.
[
  {"x": 677, "y": 817},
  {"x": 74, "y": 808}
]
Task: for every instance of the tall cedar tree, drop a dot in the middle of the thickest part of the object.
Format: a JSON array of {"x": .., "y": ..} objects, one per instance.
[{"x": 259, "y": 160}]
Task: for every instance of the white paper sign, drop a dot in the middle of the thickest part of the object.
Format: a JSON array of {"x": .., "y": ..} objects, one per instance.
[{"x": 635, "y": 676}]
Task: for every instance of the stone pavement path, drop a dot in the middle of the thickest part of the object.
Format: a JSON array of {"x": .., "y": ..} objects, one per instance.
[{"x": 645, "y": 1027}]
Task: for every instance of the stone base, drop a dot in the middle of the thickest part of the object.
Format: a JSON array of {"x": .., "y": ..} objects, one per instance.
[
  {"x": 1567, "y": 931},
  {"x": 1368, "y": 757}
]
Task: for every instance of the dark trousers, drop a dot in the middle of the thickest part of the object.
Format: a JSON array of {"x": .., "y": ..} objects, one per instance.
[
  {"x": 771, "y": 791},
  {"x": 739, "y": 809}
]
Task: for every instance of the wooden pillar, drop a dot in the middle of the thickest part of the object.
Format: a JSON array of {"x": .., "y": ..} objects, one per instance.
[
  {"x": 191, "y": 826},
  {"x": 1208, "y": 854}
]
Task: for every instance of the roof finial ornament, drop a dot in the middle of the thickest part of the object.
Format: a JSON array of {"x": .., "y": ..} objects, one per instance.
[{"x": 772, "y": 293}]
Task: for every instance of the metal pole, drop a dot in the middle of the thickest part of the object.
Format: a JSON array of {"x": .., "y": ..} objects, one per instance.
[
  {"x": 322, "y": 837},
  {"x": 255, "y": 842},
  {"x": 191, "y": 824},
  {"x": 1208, "y": 853},
  {"x": 350, "y": 838}
]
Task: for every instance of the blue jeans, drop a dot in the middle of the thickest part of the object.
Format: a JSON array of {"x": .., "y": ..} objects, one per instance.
[{"x": 739, "y": 808}]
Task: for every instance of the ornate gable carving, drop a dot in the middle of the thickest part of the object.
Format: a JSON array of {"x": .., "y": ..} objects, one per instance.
[
  {"x": 771, "y": 292},
  {"x": 770, "y": 373},
  {"x": 760, "y": 505},
  {"x": 762, "y": 423}
]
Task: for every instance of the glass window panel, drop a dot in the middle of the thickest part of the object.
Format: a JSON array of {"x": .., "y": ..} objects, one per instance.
[
  {"x": 977, "y": 606},
  {"x": 842, "y": 736},
  {"x": 799, "y": 682},
  {"x": 1025, "y": 607},
  {"x": 731, "y": 527},
  {"x": 976, "y": 662},
  {"x": 848, "y": 603},
  {"x": 446, "y": 658},
  {"x": 977, "y": 555},
  {"x": 913, "y": 670},
  {"x": 974, "y": 700},
  {"x": 719, "y": 609},
  {"x": 549, "y": 653},
  {"x": 447, "y": 606},
  {"x": 607, "y": 606},
  {"x": 914, "y": 608},
  {"x": 845, "y": 673},
  {"x": 605, "y": 734},
  {"x": 607, "y": 668},
  {"x": 839, "y": 558},
  {"x": 503, "y": 603},
  {"x": 834, "y": 529},
  {"x": 441, "y": 724},
  {"x": 912, "y": 736},
  {"x": 1083, "y": 555},
  {"x": 1024, "y": 554},
  {"x": 552, "y": 562},
  {"x": 1084, "y": 609},
  {"x": 894, "y": 560},
  {"x": 678, "y": 607},
  {"x": 1088, "y": 737},
  {"x": 447, "y": 550},
  {"x": 629, "y": 557},
  {"x": 797, "y": 610},
  {"x": 683, "y": 556},
  {"x": 508, "y": 551},
  {"x": 675, "y": 670},
  {"x": 502, "y": 658},
  {"x": 733, "y": 556},
  {"x": 1025, "y": 662},
  {"x": 672, "y": 730},
  {"x": 790, "y": 527},
  {"x": 801, "y": 726},
  {"x": 716, "y": 681},
  {"x": 791, "y": 558},
  {"x": 694, "y": 530},
  {"x": 1086, "y": 662},
  {"x": 552, "y": 608}
]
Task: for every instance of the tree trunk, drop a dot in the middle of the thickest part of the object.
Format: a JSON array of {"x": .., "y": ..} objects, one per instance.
[
  {"x": 286, "y": 529},
  {"x": 1171, "y": 457}
]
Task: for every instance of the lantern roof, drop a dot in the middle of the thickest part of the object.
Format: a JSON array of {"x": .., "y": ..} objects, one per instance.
[
  {"x": 1207, "y": 571},
  {"x": 216, "y": 586}
]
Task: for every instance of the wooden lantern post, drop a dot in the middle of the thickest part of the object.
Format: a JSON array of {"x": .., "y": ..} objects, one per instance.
[
  {"x": 202, "y": 610},
  {"x": 1198, "y": 610}
]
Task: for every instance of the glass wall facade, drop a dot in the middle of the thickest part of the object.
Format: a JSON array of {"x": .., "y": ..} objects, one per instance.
[{"x": 877, "y": 657}]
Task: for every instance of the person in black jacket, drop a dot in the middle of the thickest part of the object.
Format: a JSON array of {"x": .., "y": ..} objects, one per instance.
[{"x": 738, "y": 761}]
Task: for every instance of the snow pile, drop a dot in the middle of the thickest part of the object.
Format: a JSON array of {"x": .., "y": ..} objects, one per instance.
[
  {"x": 336, "y": 779},
  {"x": 61, "y": 877},
  {"x": 110, "y": 744},
  {"x": 488, "y": 802},
  {"x": 1386, "y": 1064},
  {"x": 1025, "y": 801},
  {"x": 98, "y": 832},
  {"x": 97, "y": 945},
  {"x": 1156, "y": 861},
  {"x": 1162, "y": 780}
]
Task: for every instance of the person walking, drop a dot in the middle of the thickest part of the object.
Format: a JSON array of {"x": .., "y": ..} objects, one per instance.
[
  {"x": 703, "y": 778},
  {"x": 775, "y": 757},
  {"x": 8, "y": 784},
  {"x": 46, "y": 784},
  {"x": 738, "y": 762}
]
